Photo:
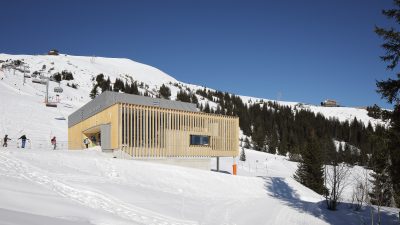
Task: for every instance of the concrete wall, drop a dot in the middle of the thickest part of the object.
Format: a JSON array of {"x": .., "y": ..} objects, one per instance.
[{"x": 196, "y": 163}]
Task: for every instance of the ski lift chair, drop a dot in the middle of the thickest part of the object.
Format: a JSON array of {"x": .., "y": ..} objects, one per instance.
[{"x": 58, "y": 89}]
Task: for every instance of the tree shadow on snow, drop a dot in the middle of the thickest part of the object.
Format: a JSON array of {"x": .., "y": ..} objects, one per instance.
[
  {"x": 278, "y": 188},
  {"x": 220, "y": 171}
]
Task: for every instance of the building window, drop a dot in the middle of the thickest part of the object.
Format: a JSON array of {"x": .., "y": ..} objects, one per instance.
[{"x": 199, "y": 140}]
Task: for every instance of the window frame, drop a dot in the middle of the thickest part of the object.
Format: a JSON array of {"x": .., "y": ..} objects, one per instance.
[{"x": 200, "y": 141}]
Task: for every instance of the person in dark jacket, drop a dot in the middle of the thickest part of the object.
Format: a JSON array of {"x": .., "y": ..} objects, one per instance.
[
  {"x": 54, "y": 142},
  {"x": 5, "y": 140},
  {"x": 86, "y": 142},
  {"x": 23, "y": 139}
]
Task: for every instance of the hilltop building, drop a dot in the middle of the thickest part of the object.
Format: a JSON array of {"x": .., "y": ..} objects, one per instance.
[
  {"x": 329, "y": 103},
  {"x": 53, "y": 52}
]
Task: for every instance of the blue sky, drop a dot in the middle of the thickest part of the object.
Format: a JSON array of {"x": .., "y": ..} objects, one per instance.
[{"x": 293, "y": 50}]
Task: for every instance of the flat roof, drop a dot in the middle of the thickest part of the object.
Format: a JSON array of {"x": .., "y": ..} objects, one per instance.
[{"x": 109, "y": 98}]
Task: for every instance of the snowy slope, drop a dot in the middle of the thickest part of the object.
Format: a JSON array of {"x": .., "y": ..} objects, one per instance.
[
  {"x": 90, "y": 187},
  {"x": 23, "y": 111},
  {"x": 84, "y": 67}
]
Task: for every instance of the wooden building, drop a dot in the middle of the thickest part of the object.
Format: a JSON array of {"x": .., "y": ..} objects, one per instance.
[{"x": 145, "y": 127}]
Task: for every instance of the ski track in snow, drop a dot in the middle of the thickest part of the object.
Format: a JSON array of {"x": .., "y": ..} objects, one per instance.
[{"x": 87, "y": 198}]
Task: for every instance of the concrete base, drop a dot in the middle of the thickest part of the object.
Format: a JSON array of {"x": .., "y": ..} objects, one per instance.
[{"x": 197, "y": 163}]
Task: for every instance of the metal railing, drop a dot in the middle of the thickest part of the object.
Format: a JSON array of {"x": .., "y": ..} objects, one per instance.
[{"x": 258, "y": 168}]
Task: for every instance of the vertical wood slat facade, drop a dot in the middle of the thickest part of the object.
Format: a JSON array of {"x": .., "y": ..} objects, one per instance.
[
  {"x": 157, "y": 132},
  {"x": 151, "y": 131}
]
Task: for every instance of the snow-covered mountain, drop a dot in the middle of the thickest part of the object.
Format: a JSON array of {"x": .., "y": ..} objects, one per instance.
[
  {"x": 23, "y": 111},
  {"x": 40, "y": 186}
]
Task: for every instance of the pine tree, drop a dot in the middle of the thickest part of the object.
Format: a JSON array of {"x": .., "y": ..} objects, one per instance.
[
  {"x": 390, "y": 90},
  {"x": 127, "y": 88},
  {"x": 310, "y": 170},
  {"x": 218, "y": 110},
  {"x": 182, "y": 96},
  {"x": 283, "y": 146},
  {"x": 202, "y": 93},
  {"x": 348, "y": 155},
  {"x": 119, "y": 85},
  {"x": 93, "y": 92},
  {"x": 272, "y": 141},
  {"x": 201, "y": 107},
  {"x": 341, "y": 153},
  {"x": 193, "y": 98},
  {"x": 259, "y": 135},
  {"x": 100, "y": 78},
  {"x": 247, "y": 143},
  {"x": 374, "y": 111},
  {"x": 57, "y": 77},
  {"x": 207, "y": 108},
  {"x": 67, "y": 75},
  {"x": 381, "y": 193},
  {"x": 106, "y": 85},
  {"x": 242, "y": 155},
  {"x": 329, "y": 151},
  {"x": 134, "y": 88},
  {"x": 165, "y": 92}
]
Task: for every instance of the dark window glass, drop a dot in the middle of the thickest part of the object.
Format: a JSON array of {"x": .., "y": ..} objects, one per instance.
[{"x": 199, "y": 140}]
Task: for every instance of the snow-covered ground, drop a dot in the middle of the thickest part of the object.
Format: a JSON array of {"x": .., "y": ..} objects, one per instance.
[{"x": 91, "y": 187}]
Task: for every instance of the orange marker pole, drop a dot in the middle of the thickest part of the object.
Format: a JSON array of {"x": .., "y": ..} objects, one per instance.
[{"x": 234, "y": 167}]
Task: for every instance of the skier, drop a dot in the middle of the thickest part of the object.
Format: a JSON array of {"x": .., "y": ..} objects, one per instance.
[
  {"x": 23, "y": 138},
  {"x": 5, "y": 140},
  {"x": 54, "y": 142},
  {"x": 86, "y": 142}
]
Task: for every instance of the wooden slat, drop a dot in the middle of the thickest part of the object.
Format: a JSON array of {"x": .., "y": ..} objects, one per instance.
[
  {"x": 123, "y": 126},
  {"x": 156, "y": 133},
  {"x": 150, "y": 133},
  {"x": 130, "y": 130},
  {"x": 165, "y": 120},
  {"x": 140, "y": 132},
  {"x": 146, "y": 146},
  {"x": 134, "y": 134},
  {"x": 119, "y": 125}
]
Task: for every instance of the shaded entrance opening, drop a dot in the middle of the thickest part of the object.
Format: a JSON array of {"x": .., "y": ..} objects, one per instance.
[{"x": 99, "y": 136}]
